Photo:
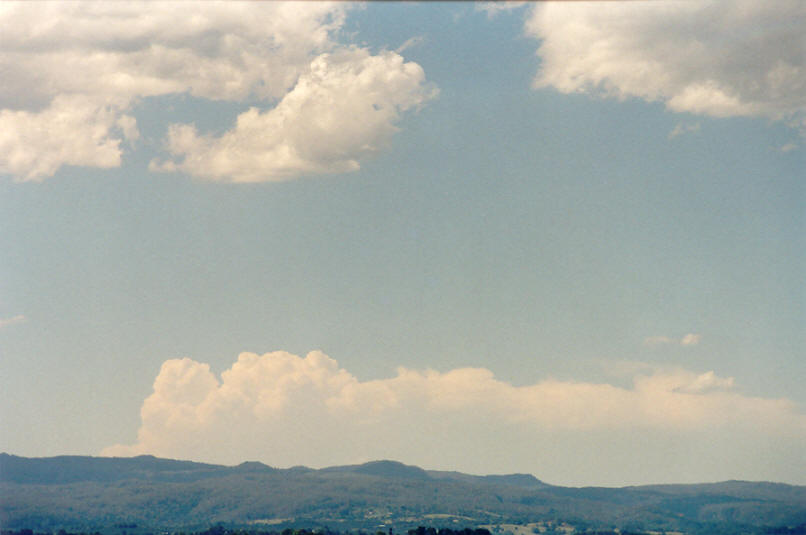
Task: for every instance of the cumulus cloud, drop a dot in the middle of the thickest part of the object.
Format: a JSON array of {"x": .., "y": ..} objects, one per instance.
[
  {"x": 715, "y": 58},
  {"x": 84, "y": 65},
  {"x": 344, "y": 108},
  {"x": 72, "y": 130},
  {"x": 282, "y": 409},
  {"x": 4, "y": 322}
]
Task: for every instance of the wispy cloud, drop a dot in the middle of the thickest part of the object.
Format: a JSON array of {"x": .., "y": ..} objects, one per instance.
[
  {"x": 494, "y": 8},
  {"x": 5, "y": 322},
  {"x": 657, "y": 340},
  {"x": 789, "y": 147},
  {"x": 689, "y": 339},
  {"x": 683, "y": 128},
  {"x": 410, "y": 43}
]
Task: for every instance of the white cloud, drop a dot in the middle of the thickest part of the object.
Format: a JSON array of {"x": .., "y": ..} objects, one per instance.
[
  {"x": 690, "y": 339},
  {"x": 4, "y": 322},
  {"x": 281, "y": 408},
  {"x": 716, "y": 58},
  {"x": 106, "y": 55},
  {"x": 72, "y": 130},
  {"x": 344, "y": 108},
  {"x": 216, "y": 50},
  {"x": 494, "y": 8},
  {"x": 707, "y": 381}
]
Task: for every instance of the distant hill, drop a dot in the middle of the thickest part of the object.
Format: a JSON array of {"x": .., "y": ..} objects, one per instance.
[
  {"x": 390, "y": 469},
  {"x": 92, "y": 493},
  {"x": 516, "y": 480},
  {"x": 71, "y": 469}
]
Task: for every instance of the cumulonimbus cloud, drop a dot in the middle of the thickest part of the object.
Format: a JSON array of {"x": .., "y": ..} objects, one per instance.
[
  {"x": 287, "y": 410},
  {"x": 720, "y": 58},
  {"x": 73, "y": 72}
]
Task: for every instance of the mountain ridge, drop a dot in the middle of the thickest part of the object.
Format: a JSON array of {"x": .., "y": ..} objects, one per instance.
[
  {"x": 11, "y": 470},
  {"x": 92, "y": 493}
]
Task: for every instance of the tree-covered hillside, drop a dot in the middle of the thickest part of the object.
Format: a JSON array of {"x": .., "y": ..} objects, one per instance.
[{"x": 84, "y": 493}]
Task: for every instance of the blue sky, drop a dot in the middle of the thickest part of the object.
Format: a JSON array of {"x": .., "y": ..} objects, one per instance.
[{"x": 569, "y": 235}]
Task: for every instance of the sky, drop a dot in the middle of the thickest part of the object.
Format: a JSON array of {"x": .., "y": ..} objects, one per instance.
[{"x": 564, "y": 239}]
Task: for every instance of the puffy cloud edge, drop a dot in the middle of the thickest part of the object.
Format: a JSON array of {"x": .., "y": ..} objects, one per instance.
[{"x": 278, "y": 394}]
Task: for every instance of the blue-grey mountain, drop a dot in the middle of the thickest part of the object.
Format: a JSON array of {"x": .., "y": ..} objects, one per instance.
[{"x": 90, "y": 493}]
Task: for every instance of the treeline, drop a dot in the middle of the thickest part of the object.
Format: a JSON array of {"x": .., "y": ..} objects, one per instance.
[{"x": 797, "y": 530}]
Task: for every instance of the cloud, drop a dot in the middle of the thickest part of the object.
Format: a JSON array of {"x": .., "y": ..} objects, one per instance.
[
  {"x": 72, "y": 130},
  {"x": 411, "y": 42},
  {"x": 707, "y": 382},
  {"x": 344, "y": 108},
  {"x": 690, "y": 339},
  {"x": 74, "y": 71},
  {"x": 657, "y": 340},
  {"x": 282, "y": 408},
  {"x": 789, "y": 147},
  {"x": 714, "y": 58},
  {"x": 681, "y": 128},
  {"x": 494, "y": 8},
  {"x": 4, "y": 322}
]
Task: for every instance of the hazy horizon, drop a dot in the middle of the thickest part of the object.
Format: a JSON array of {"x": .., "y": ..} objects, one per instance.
[{"x": 564, "y": 239}]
